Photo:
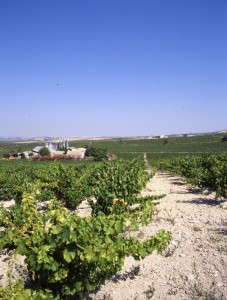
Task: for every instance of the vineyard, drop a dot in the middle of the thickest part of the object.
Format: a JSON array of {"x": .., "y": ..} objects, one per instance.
[
  {"x": 171, "y": 145},
  {"x": 207, "y": 171},
  {"x": 131, "y": 148},
  {"x": 68, "y": 256}
]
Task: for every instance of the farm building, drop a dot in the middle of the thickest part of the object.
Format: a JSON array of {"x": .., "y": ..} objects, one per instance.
[
  {"x": 161, "y": 136},
  {"x": 36, "y": 149},
  {"x": 57, "y": 146},
  {"x": 53, "y": 147},
  {"x": 59, "y": 149},
  {"x": 76, "y": 152}
]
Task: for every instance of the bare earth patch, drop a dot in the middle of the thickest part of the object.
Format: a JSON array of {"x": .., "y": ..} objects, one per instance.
[{"x": 194, "y": 266}]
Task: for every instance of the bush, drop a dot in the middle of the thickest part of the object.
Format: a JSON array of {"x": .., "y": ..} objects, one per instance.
[
  {"x": 69, "y": 255},
  {"x": 97, "y": 153},
  {"x": 22, "y": 155},
  {"x": 44, "y": 151},
  {"x": 116, "y": 180}
]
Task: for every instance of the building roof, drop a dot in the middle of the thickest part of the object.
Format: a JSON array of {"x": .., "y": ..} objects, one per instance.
[{"x": 37, "y": 148}]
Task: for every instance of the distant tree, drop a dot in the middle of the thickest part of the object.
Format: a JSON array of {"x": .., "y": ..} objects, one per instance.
[
  {"x": 22, "y": 155},
  {"x": 44, "y": 151},
  {"x": 98, "y": 153},
  {"x": 165, "y": 141},
  {"x": 63, "y": 149},
  {"x": 6, "y": 155},
  {"x": 90, "y": 151}
]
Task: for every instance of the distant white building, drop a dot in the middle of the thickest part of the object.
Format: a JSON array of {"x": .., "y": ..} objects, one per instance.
[
  {"x": 51, "y": 146},
  {"x": 36, "y": 149},
  {"x": 76, "y": 152},
  {"x": 57, "y": 146},
  {"x": 59, "y": 149},
  {"x": 161, "y": 136}
]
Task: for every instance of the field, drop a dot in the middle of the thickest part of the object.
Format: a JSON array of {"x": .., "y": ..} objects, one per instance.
[
  {"x": 156, "y": 149},
  {"x": 197, "y": 144},
  {"x": 14, "y": 147},
  {"x": 69, "y": 254},
  {"x": 159, "y": 149}
]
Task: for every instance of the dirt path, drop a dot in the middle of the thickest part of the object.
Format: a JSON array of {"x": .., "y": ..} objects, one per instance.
[
  {"x": 145, "y": 158},
  {"x": 194, "y": 266}
]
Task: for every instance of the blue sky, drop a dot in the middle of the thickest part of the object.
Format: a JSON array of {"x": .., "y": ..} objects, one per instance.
[{"x": 112, "y": 67}]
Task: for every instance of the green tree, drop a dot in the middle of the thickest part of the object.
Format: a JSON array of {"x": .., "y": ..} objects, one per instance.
[
  {"x": 44, "y": 151},
  {"x": 165, "y": 141},
  {"x": 98, "y": 153},
  {"x": 6, "y": 155},
  {"x": 22, "y": 155}
]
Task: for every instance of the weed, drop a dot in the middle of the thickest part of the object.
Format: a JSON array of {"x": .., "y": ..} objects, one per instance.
[
  {"x": 150, "y": 292},
  {"x": 223, "y": 222},
  {"x": 195, "y": 289},
  {"x": 140, "y": 234},
  {"x": 107, "y": 297},
  {"x": 169, "y": 252},
  {"x": 223, "y": 248},
  {"x": 208, "y": 222},
  {"x": 196, "y": 228},
  {"x": 172, "y": 291},
  {"x": 198, "y": 291},
  {"x": 169, "y": 218}
]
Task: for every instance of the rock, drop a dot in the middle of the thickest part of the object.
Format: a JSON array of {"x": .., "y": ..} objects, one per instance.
[
  {"x": 224, "y": 205},
  {"x": 206, "y": 192},
  {"x": 8, "y": 203},
  {"x": 190, "y": 277}
]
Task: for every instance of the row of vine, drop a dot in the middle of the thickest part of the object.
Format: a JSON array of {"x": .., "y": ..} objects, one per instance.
[
  {"x": 207, "y": 171},
  {"x": 67, "y": 255}
]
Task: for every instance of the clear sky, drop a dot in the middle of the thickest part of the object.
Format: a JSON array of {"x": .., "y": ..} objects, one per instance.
[{"x": 112, "y": 67}]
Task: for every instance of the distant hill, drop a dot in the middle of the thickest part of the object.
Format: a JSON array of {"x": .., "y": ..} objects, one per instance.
[{"x": 49, "y": 138}]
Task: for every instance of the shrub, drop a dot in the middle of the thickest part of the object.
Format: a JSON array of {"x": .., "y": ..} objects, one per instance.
[
  {"x": 69, "y": 255},
  {"x": 44, "y": 151}
]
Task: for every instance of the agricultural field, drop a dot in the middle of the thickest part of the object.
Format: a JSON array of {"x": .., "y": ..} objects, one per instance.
[
  {"x": 156, "y": 149},
  {"x": 126, "y": 148},
  {"x": 15, "y": 147},
  {"x": 65, "y": 253},
  {"x": 68, "y": 255}
]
